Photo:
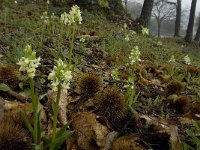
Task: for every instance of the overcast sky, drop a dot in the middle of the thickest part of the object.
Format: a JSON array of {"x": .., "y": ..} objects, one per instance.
[{"x": 185, "y": 4}]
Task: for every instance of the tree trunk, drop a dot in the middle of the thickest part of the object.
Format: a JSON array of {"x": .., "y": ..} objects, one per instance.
[
  {"x": 146, "y": 12},
  {"x": 126, "y": 4},
  {"x": 189, "y": 34},
  {"x": 197, "y": 37},
  {"x": 159, "y": 28},
  {"x": 178, "y": 19}
]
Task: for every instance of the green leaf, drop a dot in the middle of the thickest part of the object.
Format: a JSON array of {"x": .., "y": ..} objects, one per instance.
[
  {"x": 62, "y": 138},
  {"x": 37, "y": 147},
  {"x": 42, "y": 80},
  {"x": 194, "y": 138},
  {"x": 187, "y": 146},
  {"x": 103, "y": 3},
  {"x": 26, "y": 121},
  {"x": 63, "y": 129},
  {"x": 4, "y": 87},
  {"x": 135, "y": 99},
  {"x": 47, "y": 142},
  {"x": 196, "y": 124},
  {"x": 21, "y": 85},
  {"x": 39, "y": 125}
]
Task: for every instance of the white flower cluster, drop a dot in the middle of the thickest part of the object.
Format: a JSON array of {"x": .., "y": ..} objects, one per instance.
[
  {"x": 145, "y": 31},
  {"x": 60, "y": 75},
  {"x": 129, "y": 86},
  {"x": 64, "y": 18},
  {"x": 132, "y": 32},
  {"x": 172, "y": 59},
  {"x": 115, "y": 74},
  {"x": 74, "y": 16},
  {"x": 125, "y": 26},
  {"x": 29, "y": 63},
  {"x": 187, "y": 60},
  {"x": 127, "y": 38},
  {"x": 135, "y": 55},
  {"x": 82, "y": 39},
  {"x": 45, "y": 17},
  {"x": 48, "y": 2},
  {"x": 53, "y": 17},
  {"x": 159, "y": 43},
  {"x": 130, "y": 83}
]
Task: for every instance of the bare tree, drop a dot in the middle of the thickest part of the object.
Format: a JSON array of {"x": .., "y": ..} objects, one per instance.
[
  {"x": 197, "y": 37},
  {"x": 178, "y": 18},
  {"x": 163, "y": 10},
  {"x": 178, "y": 6},
  {"x": 126, "y": 4},
  {"x": 145, "y": 15},
  {"x": 189, "y": 33}
]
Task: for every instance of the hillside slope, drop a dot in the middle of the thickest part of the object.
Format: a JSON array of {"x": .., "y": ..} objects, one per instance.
[{"x": 129, "y": 90}]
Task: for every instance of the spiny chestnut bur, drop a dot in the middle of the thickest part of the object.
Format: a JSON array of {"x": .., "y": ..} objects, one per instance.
[
  {"x": 2, "y": 105},
  {"x": 89, "y": 84},
  {"x": 171, "y": 100},
  {"x": 129, "y": 142},
  {"x": 13, "y": 136},
  {"x": 110, "y": 60},
  {"x": 15, "y": 118},
  {"x": 151, "y": 68},
  {"x": 111, "y": 104},
  {"x": 123, "y": 75},
  {"x": 174, "y": 87},
  {"x": 182, "y": 104},
  {"x": 195, "y": 107},
  {"x": 193, "y": 70},
  {"x": 9, "y": 75}
]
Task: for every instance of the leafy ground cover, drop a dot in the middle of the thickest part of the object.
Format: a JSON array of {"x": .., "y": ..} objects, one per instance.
[{"x": 113, "y": 102}]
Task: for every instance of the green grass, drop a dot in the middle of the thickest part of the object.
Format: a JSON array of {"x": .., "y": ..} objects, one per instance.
[
  {"x": 19, "y": 28},
  {"x": 21, "y": 24}
]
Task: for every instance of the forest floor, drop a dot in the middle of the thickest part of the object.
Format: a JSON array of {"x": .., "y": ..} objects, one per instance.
[{"x": 164, "y": 113}]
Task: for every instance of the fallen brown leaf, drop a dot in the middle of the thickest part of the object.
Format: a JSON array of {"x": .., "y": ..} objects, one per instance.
[{"x": 90, "y": 133}]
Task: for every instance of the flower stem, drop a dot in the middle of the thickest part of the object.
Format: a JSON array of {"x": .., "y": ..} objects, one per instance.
[
  {"x": 55, "y": 111},
  {"x": 42, "y": 36},
  {"x": 60, "y": 38},
  {"x": 132, "y": 90},
  {"x": 53, "y": 28},
  {"x": 71, "y": 46},
  {"x": 35, "y": 107}
]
